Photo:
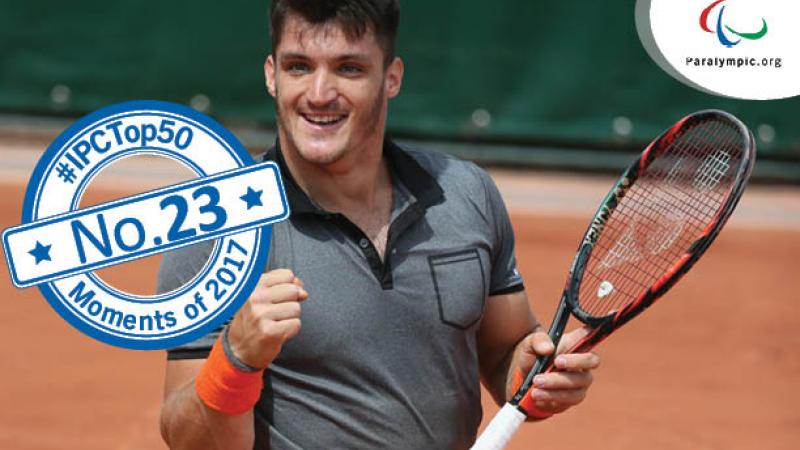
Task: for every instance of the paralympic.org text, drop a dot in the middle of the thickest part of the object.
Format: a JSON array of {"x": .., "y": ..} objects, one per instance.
[{"x": 776, "y": 63}]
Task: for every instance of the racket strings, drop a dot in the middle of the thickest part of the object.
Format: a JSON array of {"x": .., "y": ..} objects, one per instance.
[
  {"x": 659, "y": 220},
  {"x": 670, "y": 205},
  {"x": 661, "y": 216}
]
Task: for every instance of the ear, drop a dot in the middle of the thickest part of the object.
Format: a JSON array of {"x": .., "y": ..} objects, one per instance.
[
  {"x": 394, "y": 77},
  {"x": 269, "y": 74}
]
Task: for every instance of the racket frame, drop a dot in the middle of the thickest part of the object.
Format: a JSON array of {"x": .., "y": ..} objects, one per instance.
[
  {"x": 603, "y": 326},
  {"x": 503, "y": 426}
]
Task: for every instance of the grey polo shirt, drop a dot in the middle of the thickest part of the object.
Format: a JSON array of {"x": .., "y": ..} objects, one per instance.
[{"x": 386, "y": 356}]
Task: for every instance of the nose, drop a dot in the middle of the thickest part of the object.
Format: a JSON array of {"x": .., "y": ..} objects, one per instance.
[{"x": 323, "y": 89}]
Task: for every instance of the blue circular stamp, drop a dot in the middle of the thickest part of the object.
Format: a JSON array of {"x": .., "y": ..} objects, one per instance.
[{"x": 232, "y": 201}]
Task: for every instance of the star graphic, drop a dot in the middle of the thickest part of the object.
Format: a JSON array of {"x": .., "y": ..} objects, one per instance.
[
  {"x": 41, "y": 252},
  {"x": 252, "y": 198}
]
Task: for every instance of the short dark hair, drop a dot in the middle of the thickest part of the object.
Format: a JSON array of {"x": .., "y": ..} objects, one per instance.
[{"x": 354, "y": 16}]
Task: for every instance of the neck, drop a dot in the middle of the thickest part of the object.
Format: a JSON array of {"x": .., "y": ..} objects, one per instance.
[{"x": 358, "y": 180}]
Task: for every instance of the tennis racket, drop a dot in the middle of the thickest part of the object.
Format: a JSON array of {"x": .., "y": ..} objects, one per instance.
[{"x": 654, "y": 224}]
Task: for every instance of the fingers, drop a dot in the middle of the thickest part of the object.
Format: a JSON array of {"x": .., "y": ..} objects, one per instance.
[
  {"x": 278, "y": 293},
  {"x": 541, "y": 343},
  {"x": 534, "y": 345},
  {"x": 279, "y": 276},
  {"x": 555, "y": 392},
  {"x": 570, "y": 339},
  {"x": 563, "y": 380},
  {"x": 574, "y": 362},
  {"x": 268, "y": 319},
  {"x": 278, "y": 311},
  {"x": 289, "y": 328},
  {"x": 557, "y": 401},
  {"x": 566, "y": 386},
  {"x": 278, "y": 286},
  {"x": 273, "y": 333}
]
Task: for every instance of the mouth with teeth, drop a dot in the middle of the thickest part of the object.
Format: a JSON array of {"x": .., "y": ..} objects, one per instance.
[{"x": 324, "y": 120}]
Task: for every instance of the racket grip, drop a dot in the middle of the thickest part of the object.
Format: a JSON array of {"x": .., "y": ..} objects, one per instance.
[{"x": 500, "y": 429}]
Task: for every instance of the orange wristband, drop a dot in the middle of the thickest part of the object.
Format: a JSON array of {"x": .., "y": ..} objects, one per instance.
[
  {"x": 527, "y": 404},
  {"x": 225, "y": 388}
]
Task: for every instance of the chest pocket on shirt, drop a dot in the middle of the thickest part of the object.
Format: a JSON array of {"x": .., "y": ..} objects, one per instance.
[{"x": 458, "y": 280}]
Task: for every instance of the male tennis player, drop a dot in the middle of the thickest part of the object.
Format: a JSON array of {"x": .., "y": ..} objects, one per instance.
[{"x": 410, "y": 293}]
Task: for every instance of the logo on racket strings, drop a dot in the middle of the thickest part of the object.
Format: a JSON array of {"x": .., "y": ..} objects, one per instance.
[{"x": 605, "y": 289}]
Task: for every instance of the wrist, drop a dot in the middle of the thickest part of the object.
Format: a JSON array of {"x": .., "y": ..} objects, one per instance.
[
  {"x": 224, "y": 387},
  {"x": 229, "y": 353}
]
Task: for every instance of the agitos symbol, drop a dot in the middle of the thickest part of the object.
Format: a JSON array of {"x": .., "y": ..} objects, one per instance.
[{"x": 723, "y": 38}]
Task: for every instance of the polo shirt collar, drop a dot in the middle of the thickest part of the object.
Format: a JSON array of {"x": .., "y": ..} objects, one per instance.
[{"x": 419, "y": 182}]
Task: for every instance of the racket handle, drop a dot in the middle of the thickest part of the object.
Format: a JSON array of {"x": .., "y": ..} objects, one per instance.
[{"x": 500, "y": 430}]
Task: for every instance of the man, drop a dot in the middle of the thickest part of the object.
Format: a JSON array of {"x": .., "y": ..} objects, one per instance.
[{"x": 402, "y": 260}]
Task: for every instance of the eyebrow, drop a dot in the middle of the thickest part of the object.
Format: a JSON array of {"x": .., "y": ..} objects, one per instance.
[
  {"x": 353, "y": 57},
  {"x": 344, "y": 57},
  {"x": 292, "y": 55}
]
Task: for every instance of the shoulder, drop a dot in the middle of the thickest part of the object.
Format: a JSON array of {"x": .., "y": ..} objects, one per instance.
[
  {"x": 468, "y": 190},
  {"x": 452, "y": 173}
]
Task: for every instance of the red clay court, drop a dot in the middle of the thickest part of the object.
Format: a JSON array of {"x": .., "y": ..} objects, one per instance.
[{"x": 714, "y": 366}]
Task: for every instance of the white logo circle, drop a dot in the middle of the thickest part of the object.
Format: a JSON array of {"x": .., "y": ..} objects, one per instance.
[{"x": 733, "y": 48}]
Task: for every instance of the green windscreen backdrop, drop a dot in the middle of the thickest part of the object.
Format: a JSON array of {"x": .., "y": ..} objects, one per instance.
[{"x": 527, "y": 72}]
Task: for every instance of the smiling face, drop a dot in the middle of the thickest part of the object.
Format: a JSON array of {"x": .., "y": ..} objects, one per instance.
[{"x": 331, "y": 91}]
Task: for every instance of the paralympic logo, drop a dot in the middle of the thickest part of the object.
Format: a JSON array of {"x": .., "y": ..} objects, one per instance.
[{"x": 724, "y": 39}]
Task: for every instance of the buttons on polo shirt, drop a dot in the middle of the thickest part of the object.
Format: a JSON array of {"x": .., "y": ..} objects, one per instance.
[{"x": 363, "y": 243}]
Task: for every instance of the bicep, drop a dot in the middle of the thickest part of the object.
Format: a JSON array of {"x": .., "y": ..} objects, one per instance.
[{"x": 507, "y": 319}]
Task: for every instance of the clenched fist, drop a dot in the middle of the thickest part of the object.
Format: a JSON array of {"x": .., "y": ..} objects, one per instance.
[{"x": 269, "y": 318}]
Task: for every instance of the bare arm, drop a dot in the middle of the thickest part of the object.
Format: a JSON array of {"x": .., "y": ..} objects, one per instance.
[
  {"x": 507, "y": 320},
  {"x": 187, "y": 423},
  {"x": 269, "y": 318},
  {"x": 510, "y": 338}
]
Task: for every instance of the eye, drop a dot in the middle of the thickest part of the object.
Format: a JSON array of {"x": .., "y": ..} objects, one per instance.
[
  {"x": 351, "y": 69},
  {"x": 297, "y": 67}
]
